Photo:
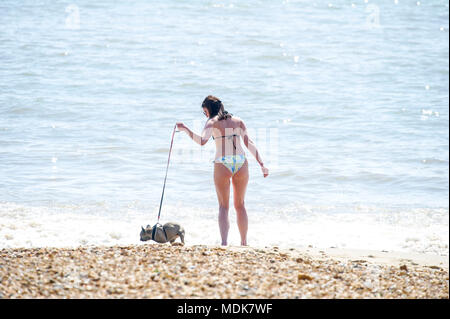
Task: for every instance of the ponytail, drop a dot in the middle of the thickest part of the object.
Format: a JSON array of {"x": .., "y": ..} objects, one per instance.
[{"x": 215, "y": 107}]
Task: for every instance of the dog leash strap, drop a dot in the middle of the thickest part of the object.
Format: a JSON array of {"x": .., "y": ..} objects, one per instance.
[
  {"x": 167, "y": 168},
  {"x": 154, "y": 231}
]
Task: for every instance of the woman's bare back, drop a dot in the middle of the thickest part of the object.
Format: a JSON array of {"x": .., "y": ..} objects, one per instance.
[{"x": 226, "y": 134}]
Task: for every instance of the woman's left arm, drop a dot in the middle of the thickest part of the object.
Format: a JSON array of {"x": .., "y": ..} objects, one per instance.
[{"x": 201, "y": 140}]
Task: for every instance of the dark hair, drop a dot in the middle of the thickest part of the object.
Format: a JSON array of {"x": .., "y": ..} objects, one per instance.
[{"x": 215, "y": 107}]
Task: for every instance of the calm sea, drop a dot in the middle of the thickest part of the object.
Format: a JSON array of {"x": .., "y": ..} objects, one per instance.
[{"x": 347, "y": 101}]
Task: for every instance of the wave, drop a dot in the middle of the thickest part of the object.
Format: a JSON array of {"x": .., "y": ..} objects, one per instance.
[{"x": 292, "y": 225}]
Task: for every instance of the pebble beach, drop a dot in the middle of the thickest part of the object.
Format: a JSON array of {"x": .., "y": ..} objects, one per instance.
[{"x": 164, "y": 271}]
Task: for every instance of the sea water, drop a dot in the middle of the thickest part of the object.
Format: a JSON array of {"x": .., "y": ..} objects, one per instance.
[{"x": 347, "y": 102}]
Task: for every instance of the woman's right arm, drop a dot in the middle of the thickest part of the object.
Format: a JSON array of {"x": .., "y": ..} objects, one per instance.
[
  {"x": 206, "y": 133},
  {"x": 252, "y": 148}
]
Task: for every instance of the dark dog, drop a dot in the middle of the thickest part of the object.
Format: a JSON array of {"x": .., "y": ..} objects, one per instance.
[{"x": 163, "y": 233}]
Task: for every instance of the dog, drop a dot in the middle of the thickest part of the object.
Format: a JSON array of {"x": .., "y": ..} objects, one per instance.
[{"x": 168, "y": 232}]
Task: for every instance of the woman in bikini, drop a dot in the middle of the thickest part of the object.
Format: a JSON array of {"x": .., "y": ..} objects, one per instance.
[{"x": 229, "y": 163}]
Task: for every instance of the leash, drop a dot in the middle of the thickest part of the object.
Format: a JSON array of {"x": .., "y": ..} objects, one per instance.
[{"x": 164, "y": 187}]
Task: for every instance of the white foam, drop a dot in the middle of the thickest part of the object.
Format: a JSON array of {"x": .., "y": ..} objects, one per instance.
[{"x": 294, "y": 225}]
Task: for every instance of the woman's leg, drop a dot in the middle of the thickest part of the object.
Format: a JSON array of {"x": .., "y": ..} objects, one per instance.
[
  {"x": 222, "y": 181},
  {"x": 240, "y": 181}
]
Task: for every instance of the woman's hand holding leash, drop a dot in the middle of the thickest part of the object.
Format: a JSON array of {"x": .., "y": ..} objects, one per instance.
[{"x": 181, "y": 127}]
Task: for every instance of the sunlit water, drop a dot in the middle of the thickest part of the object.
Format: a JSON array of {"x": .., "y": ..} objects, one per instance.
[{"x": 346, "y": 100}]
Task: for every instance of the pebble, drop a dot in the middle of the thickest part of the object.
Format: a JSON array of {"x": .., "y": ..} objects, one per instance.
[
  {"x": 304, "y": 277},
  {"x": 206, "y": 272}
]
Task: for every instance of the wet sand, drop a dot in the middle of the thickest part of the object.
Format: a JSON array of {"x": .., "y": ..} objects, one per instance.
[{"x": 164, "y": 271}]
